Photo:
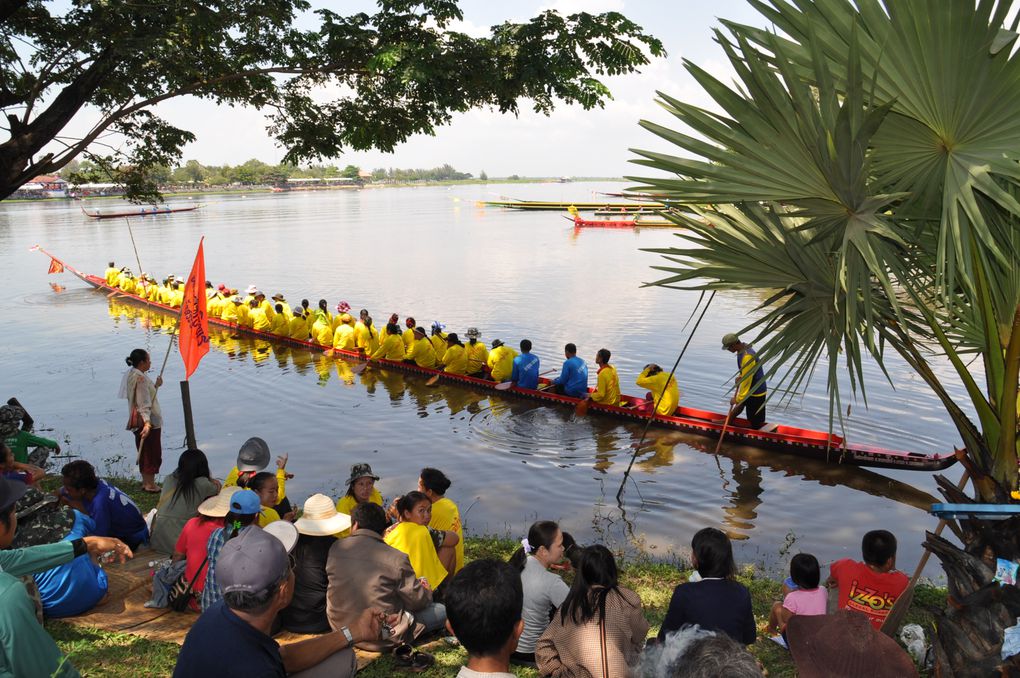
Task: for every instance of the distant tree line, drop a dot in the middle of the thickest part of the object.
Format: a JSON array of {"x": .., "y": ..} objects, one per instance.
[{"x": 257, "y": 172}]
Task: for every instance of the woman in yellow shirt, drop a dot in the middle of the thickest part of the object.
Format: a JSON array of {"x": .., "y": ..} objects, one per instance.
[
  {"x": 366, "y": 337},
  {"x": 607, "y": 389},
  {"x": 259, "y": 320},
  {"x": 413, "y": 537},
  {"x": 385, "y": 331},
  {"x": 280, "y": 322},
  {"x": 455, "y": 359},
  {"x": 420, "y": 352},
  {"x": 501, "y": 361},
  {"x": 659, "y": 383},
  {"x": 264, "y": 484},
  {"x": 360, "y": 489},
  {"x": 322, "y": 326},
  {"x": 409, "y": 332},
  {"x": 392, "y": 347}
]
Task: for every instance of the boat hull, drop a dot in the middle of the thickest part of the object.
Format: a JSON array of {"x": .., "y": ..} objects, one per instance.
[
  {"x": 141, "y": 212},
  {"x": 787, "y": 439}
]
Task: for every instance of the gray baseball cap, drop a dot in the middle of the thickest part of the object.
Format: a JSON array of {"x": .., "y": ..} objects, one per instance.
[
  {"x": 253, "y": 455},
  {"x": 252, "y": 562}
]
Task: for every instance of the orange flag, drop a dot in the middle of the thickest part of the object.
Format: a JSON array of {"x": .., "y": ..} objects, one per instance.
[
  {"x": 194, "y": 322},
  {"x": 55, "y": 267}
]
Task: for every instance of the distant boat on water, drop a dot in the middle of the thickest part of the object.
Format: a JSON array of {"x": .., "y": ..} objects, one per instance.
[{"x": 140, "y": 211}]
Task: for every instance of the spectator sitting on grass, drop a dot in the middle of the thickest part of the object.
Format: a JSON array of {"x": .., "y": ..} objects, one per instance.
[
  {"x": 364, "y": 571},
  {"x": 543, "y": 590},
  {"x": 26, "y": 649},
  {"x": 183, "y": 490},
  {"x": 483, "y": 608},
  {"x": 433, "y": 483},
  {"x": 244, "y": 511},
  {"x": 254, "y": 456},
  {"x": 20, "y": 439},
  {"x": 873, "y": 586},
  {"x": 232, "y": 638},
  {"x": 717, "y": 602},
  {"x": 693, "y": 652},
  {"x": 12, "y": 470},
  {"x": 113, "y": 511},
  {"x": 802, "y": 595}
]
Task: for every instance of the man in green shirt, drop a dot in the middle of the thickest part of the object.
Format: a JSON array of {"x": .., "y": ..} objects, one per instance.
[
  {"x": 26, "y": 650},
  {"x": 13, "y": 415}
]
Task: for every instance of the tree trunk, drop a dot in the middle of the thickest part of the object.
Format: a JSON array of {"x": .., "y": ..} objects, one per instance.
[{"x": 969, "y": 633}]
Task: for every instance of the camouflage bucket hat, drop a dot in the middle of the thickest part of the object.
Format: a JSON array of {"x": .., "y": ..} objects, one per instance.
[
  {"x": 41, "y": 520},
  {"x": 361, "y": 471},
  {"x": 10, "y": 420}
]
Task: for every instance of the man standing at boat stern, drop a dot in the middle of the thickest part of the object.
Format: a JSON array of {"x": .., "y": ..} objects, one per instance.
[
  {"x": 750, "y": 381},
  {"x": 573, "y": 379}
]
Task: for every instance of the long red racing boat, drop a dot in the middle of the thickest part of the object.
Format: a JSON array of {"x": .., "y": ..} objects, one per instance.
[{"x": 788, "y": 439}]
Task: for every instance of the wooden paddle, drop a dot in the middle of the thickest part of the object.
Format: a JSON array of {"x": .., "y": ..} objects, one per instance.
[
  {"x": 434, "y": 380},
  {"x": 899, "y": 609},
  {"x": 726, "y": 424},
  {"x": 359, "y": 368},
  {"x": 581, "y": 409}
]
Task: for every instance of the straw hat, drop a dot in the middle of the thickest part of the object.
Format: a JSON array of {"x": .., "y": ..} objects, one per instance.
[
  {"x": 218, "y": 506},
  {"x": 320, "y": 517}
]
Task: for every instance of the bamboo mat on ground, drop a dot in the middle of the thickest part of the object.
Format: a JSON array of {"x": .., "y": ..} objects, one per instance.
[{"x": 124, "y": 610}]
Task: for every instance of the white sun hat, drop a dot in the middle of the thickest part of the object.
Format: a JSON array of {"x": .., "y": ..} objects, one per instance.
[
  {"x": 218, "y": 506},
  {"x": 285, "y": 531},
  {"x": 320, "y": 517}
]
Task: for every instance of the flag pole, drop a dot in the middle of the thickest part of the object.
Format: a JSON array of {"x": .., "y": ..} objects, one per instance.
[{"x": 193, "y": 341}]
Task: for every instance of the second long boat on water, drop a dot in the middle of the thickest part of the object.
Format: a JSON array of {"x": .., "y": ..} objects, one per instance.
[{"x": 788, "y": 439}]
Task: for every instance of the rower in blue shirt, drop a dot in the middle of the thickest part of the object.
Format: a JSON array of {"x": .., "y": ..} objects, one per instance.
[
  {"x": 573, "y": 379},
  {"x": 525, "y": 371}
]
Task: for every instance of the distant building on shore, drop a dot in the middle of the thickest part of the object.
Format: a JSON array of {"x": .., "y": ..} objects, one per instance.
[{"x": 44, "y": 186}]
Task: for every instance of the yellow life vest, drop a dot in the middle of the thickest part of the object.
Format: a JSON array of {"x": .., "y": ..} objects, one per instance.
[
  {"x": 415, "y": 540},
  {"x": 446, "y": 517}
]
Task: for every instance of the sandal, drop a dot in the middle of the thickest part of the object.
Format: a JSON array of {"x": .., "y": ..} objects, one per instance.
[{"x": 407, "y": 659}]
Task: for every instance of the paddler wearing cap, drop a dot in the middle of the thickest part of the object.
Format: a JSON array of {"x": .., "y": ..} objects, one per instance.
[
  {"x": 438, "y": 339},
  {"x": 298, "y": 326},
  {"x": 478, "y": 355},
  {"x": 25, "y": 647},
  {"x": 500, "y": 361},
  {"x": 749, "y": 382},
  {"x": 420, "y": 351},
  {"x": 278, "y": 298}
]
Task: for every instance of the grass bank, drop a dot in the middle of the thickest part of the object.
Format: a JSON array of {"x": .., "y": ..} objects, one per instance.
[{"x": 120, "y": 655}]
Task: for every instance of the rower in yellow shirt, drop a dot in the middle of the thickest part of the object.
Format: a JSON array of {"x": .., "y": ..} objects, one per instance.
[
  {"x": 341, "y": 308},
  {"x": 278, "y": 299},
  {"x": 607, "y": 388},
  {"x": 385, "y": 331},
  {"x": 322, "y": 325},
  {"x": 177, "y": 293},
  {"x": 111, "y": 274},
  {"x": 343, "y": 337},
  {"x": 409, "y": 332},
  {"x": 267, "y": 308},
  {"x": 259, "y": 320},
  {"x": 244, "y": 318},
  {"x": 229, "y": 311},
  {"x": 659, "y": 383},
  {"x": 392, "y": 348},
  {"x": 478, "y": 355},
  {"x": 421, "y": 352},
  {"x": 280, "y": 323},
  {"x": 501, "y": 361},
  {"x": 438, "y": 339},
  {"x": 124, "y": 280},
  {"x": 366, "y": 337},
  {"x": 455, "y": 359},
  {"x": 298, "y": 326}
]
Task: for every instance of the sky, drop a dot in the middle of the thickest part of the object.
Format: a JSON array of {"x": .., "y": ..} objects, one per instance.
[{"x": 570, "y": 142}]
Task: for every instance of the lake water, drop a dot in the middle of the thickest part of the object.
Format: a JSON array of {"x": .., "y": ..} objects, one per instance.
[{"x": 434, "y": 254}]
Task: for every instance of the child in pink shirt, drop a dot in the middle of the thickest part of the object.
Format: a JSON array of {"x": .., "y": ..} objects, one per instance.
[{"x": 804, "y": 597}]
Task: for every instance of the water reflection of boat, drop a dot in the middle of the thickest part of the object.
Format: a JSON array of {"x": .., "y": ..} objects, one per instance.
[{"x": 818, "y": 445}]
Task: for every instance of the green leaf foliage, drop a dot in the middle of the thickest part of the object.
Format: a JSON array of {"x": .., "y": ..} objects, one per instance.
[
  {"x": 864, "y": 170},
  {"x": 398, "y": 72}
]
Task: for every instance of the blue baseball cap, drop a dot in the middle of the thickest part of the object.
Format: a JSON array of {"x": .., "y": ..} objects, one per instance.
[{"x": 245, "y": 503}]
